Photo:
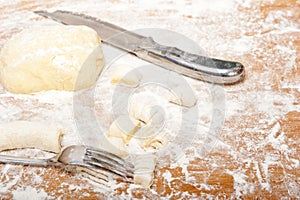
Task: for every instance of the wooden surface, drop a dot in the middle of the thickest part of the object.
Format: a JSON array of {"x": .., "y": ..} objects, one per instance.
[{"x": 257, "y": 156}]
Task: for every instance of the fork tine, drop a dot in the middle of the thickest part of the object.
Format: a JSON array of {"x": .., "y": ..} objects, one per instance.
[
  {"x": 97, "y": 174},
  {"x": 112, "y": 168},
  {"x": 111, "y": 157},
  {"x": 97, "y": 177},
  {"x": 109, "y": 161},
  {"x": 104, "y": 174},
  {"x": 100, "y": 175},
  {"x": 97, "y": 165}
]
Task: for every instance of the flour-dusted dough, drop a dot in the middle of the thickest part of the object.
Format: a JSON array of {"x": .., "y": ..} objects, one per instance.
[
  {"x": 147, "y": 113},
  {"x": 154, "y": 143},
  {"x": 124, "y": 127},
  {"x": 126, "y": 75},
  {"x": 182, "y": 95},
  {"x": 114, "y": 145},
  {"x": 26, "y": 134},
  {"x": 54, "y": 57},
  {"x": 144, "y": 167}
]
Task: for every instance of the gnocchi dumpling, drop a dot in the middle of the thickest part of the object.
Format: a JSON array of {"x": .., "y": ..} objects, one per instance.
[
  {"x": 147, "y": 113},
  {"x": 144, "y": 168},
  {"x": 126, "y": 75},
  {"x": 182, "y": 95},
  {"x": 124, "y": 127},
  {"x": 156, "y": 142},
  {"x": 116, "y": 146}
]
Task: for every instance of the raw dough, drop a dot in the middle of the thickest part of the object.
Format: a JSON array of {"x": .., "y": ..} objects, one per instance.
[
  {"x": 51, "y": 58},
  {"x": 126, "y": 75},
  {"x": 152, "y": 117},
  {"x": 183, "y": 95},
  {"x": 114, "y": 145},
  {"x": 147, "y": 113},
  {"x": 26, "y": 134},
  {"x": 124, "y": 127},
  {"x": 144, "y": 167},
  {"x": 154, "y": 143}
]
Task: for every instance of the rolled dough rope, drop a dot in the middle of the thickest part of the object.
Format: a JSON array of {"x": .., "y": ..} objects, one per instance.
[{"x": 26, "y": 134}]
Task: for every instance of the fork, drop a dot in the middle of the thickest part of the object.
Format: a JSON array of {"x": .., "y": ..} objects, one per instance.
[{"x": 91, "y": 161}]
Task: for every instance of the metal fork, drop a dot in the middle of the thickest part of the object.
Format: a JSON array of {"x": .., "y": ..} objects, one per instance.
[{"x": 91, "y": 161}]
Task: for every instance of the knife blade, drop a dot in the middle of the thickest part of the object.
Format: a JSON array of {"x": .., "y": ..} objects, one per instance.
[{"x": 171, "y": 58}]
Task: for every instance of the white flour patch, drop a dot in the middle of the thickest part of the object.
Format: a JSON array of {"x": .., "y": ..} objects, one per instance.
[
  {"x": 241, "y": 186},
  {"x": 29, "y": 193}
]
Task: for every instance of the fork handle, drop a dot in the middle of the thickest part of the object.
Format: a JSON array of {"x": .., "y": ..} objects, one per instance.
[{"x": 26, "y": 161}]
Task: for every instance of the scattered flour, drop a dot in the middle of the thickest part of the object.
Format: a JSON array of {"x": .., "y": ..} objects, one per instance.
[
  {"x": 29, "y": 193},
  {"x": 224, "y": 32}
]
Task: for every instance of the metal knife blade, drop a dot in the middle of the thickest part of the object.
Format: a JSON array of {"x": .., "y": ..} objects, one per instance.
[{"x": 195, "y": 66}]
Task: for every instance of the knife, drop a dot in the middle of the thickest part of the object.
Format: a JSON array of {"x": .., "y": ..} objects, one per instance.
[{"x": 192, "y": 65}]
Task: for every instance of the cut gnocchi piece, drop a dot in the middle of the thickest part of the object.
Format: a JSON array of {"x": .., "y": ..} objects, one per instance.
[
  {"x": 183, "y": 95},
  {"x": 144, "y": 168},
  {"x": 124, "y": 127},
  {"x": 147, "y": 131},
  {"x": 116, "y": 146},
  {"x": 126, "y": 75},
  {"x": 27, "y": 134},
  {"x": 147, "y": 113},
  {"x": 155, "y": 142}
]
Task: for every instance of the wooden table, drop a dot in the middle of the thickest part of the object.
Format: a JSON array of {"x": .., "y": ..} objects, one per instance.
[{"x": 257, "y": 151}]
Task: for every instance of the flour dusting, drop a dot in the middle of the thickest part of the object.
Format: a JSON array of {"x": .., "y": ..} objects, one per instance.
[
  {"x": 29, "y": 193},
  {"x": 255, "y": 154}
]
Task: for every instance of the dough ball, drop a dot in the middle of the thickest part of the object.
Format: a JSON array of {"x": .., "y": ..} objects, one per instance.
[
  {"x": 51, "y": 58},
  {"x": 126, "y": 75},
  {"x": 26, "y": 134},
  {"x": 183, "y": 95}
]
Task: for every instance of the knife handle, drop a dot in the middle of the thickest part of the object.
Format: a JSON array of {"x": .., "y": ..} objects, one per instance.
[{"x": 195, "y": 66}]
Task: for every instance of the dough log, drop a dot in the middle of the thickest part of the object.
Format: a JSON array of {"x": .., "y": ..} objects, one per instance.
[{"x": 26, "y": 134}]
